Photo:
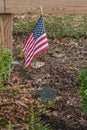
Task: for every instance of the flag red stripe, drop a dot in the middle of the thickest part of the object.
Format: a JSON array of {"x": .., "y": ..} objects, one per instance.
[
  {"x": 31, "y": 45},
  {"x": 36, "y": 48},
  {"x": 28, "y": 39},
  {"x": 28, "y": 63},
  {"x": 31, "y": 55},
  {"x": 28, "y": 49},
  {"x": 36, "y": 43},
  {"x": 28, "y": 43},
  {"x": 41, "y": 38},
  {"x": 34, "y": 53}
]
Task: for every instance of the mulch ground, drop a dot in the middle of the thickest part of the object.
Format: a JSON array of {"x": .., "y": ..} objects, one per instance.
[{"x": 64, "y": 60}]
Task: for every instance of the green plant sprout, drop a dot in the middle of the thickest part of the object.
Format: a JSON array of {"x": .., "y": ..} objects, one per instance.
[
  {"x": 5, "y": 65},
  {"x": 56, "y": 26},
  {"x": 34, "y": 120},
  {"x": 82, "y": 79}
]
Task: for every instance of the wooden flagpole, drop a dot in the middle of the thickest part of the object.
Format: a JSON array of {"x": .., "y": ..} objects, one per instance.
[
  {"x": 45, "y": 53},
  {"x": 41, "y": 10}
]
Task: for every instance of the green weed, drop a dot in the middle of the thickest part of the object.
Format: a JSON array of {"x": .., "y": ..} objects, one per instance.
[
  {"x": 5, "y": 65},
  {"x": 34, "y": 120},
  {"x": 3, "y": 123},
  {"x": 56, "y": 26},
  {"x": 82, "y": 79}
]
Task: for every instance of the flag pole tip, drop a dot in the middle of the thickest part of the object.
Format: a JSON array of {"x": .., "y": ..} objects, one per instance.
[{"x": 41, "y": 10}]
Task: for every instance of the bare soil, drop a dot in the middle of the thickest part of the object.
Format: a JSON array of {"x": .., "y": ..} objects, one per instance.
[{"x": 64, "y": 60}]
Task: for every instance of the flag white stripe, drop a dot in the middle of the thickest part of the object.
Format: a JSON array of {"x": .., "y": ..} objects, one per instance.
[
  {"x": 25, "y": 48},
  {"x": 28, "y": 63},
  {"x": 35, "y": 47},
  {"x": 29, "y": 38},
  {"x": 41, "y": 37},
  {"x": 41, "y": 42},
  {"x": 29, "y": 48},
  {"x": 26, "y": 51},
  {"x": 36, "y": 43},
  {"x": 30, "y": 44},
  {"x": 35, "y": 52},
  {"x": 32, "y": 37},
  {"x": 41, "y": 48},
  {"x": 29, "y": 41}
]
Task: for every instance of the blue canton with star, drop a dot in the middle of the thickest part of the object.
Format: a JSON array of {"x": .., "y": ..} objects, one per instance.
[{"x": 39, "y": 28}]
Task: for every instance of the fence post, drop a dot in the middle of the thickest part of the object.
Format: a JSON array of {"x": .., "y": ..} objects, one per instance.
[{"x": 6, "y": 27}]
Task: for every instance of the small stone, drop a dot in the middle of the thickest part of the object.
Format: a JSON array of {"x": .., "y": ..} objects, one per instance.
[
  {"x": 37, "y": 65},
  {"x": 54, "y": 113},
  {"x": 48, "y": 75},
  {"x": 15, "y": 62},
  {"x": 39, "y": 80},
  {"x": 58, "y": 55},
  {"x": 21, "y": 103},
  {"x": 69, "y": 116}
]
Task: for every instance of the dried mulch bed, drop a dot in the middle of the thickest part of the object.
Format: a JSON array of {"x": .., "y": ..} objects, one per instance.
[{"x": 64, "y": 60}]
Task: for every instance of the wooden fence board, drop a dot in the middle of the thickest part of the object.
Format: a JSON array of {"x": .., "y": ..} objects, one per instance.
[
  {"x": 33, "y": 6},
  {"x": 1, "y": 6},
  {"x": 6, "y": 30},
  {"x": 49, "y": 6}
]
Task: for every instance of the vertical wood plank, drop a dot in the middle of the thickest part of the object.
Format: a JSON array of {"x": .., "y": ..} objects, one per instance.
[
  {"x": 6, "y": 23},
  {"x": 1, "y": 6}
]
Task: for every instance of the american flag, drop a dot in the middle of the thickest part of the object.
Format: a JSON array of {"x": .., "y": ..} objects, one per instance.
[{"x": 36, "y": 43}]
